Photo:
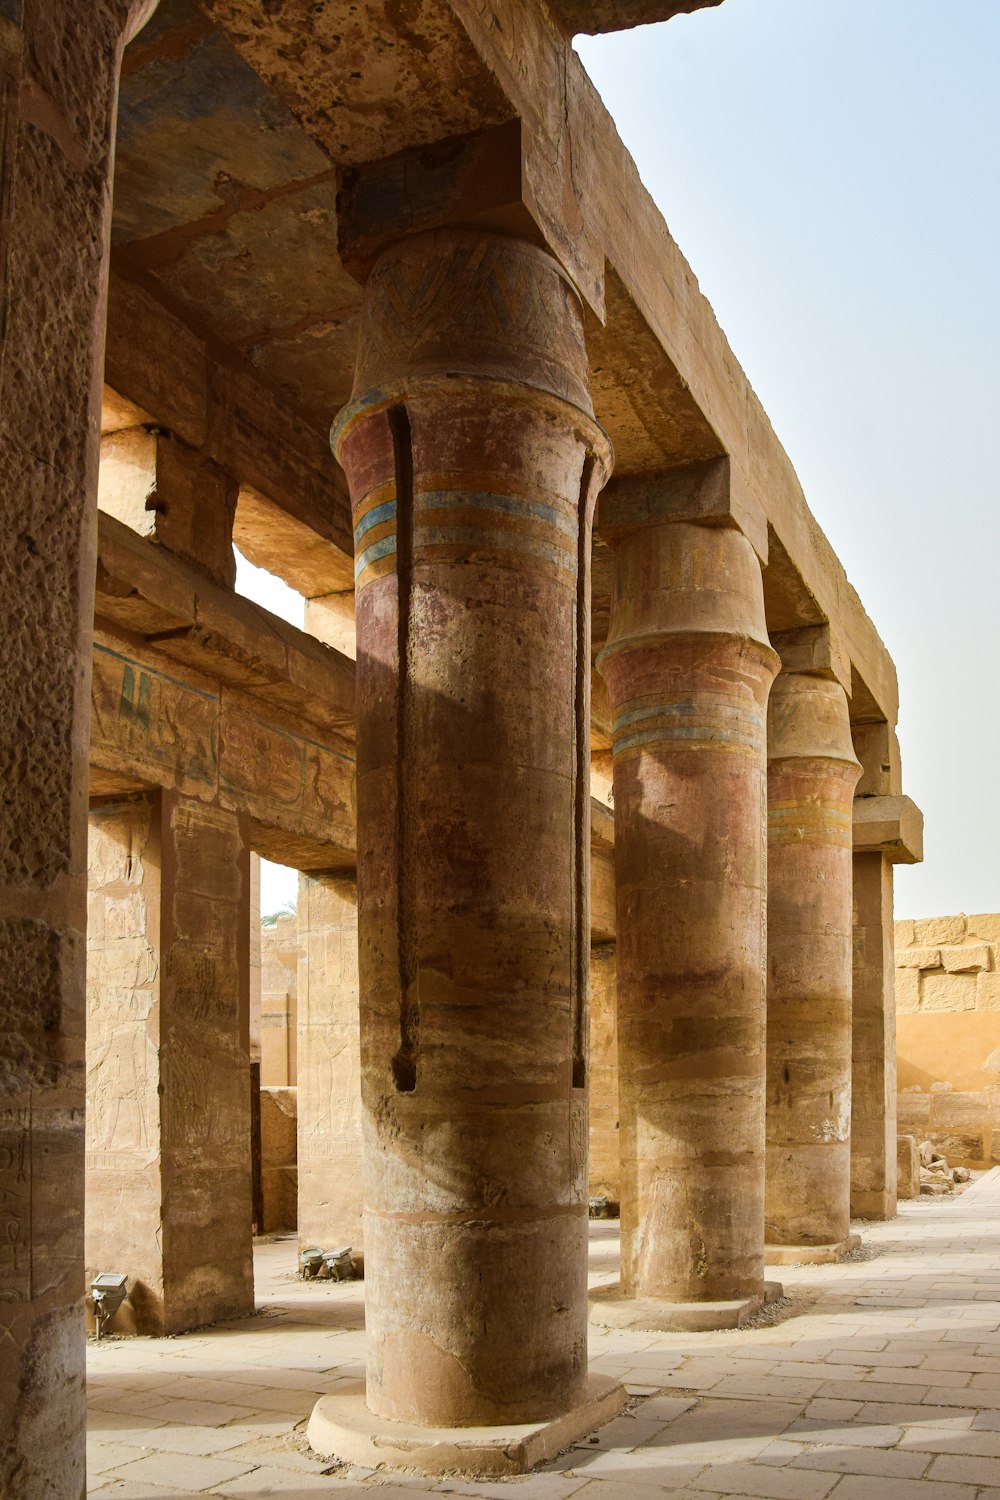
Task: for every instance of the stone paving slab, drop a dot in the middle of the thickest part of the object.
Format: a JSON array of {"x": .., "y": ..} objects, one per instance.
[{"x": 879, "y": 1381}]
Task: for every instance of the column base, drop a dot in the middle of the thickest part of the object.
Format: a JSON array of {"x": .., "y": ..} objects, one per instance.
[
  {"x": 810, "y": 1255},
  {"x": 878, "y": 1205},
  {"x": 609, "y": 1309},
  {"x": 341, "y": 1426}
]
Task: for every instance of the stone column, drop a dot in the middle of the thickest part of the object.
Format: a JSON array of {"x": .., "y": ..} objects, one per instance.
[
  {"x": 605, "y": 1172},
  {"x": 331, "y": 1191},
  {"x": 873, "y": 1113},
  {"x": 474, "y": 462},
  {"x": 688, "y": 668},
  {"x": 168, "y": 1066},
  {"x": 812, "y": 772},
  {"x": 58, "y": 82}
]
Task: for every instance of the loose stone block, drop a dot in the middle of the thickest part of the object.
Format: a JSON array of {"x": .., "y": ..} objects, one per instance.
[{"x": 907, "y": 1167}]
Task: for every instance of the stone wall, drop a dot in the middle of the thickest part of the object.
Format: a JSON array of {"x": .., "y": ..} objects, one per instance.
[
  {"x": 278, "y": 1168},
  {"x": 280, "y": 952},
  {"x": 948, "y": 1035}
]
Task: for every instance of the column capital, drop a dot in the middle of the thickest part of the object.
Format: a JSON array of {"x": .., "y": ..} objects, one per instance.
[
  {"x": 708, "y": 493},
  {"x": 683, "y": 579},
  {"x": 451, "y": 306},
  {"x": 807, "y": 719}
]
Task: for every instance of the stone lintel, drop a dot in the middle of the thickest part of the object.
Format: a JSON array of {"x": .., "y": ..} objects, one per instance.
[
  {"x": 710, "y": 493},
  {"x": 498, "y": 178},
  {"x": 819, "y": 650},
  {"x": 602, "y": 825},
  {"x": 222, "y": 408},
  {"x": 342, "y": 1426},
  {"x": 609, "y": 1309},
  {"x": 149, "y": 592},
  {"x": 893, "y": 826},
  {"x": 596, "y": 16}
]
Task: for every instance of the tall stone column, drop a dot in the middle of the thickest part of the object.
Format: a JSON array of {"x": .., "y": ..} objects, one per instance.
[
  {"x": 688, "y": 668},
  {"x": 168, "y": 1066},
  {"x": 58, "y": 84},
  {"x": 812, "y": 773},
  {"x": 873, "y": 1114},
  {"x": 331, "y": 1191},
  {"x": 474, "y": 462},
  {"x": 605, "y": 1169}
]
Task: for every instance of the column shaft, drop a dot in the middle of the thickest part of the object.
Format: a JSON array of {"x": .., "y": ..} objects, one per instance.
[
  {"x": 168, "y": 1067},
  {"x": 688, "y": 669},
  {"x": 873, "y": 1114},
  {"x": 58, "y": 82},
  {"x": 473, "y": 464},
  {"x": 331, "y": 1191},
  {"x": 812, "y": 773},
  {"x": 605, "y": 1167}
]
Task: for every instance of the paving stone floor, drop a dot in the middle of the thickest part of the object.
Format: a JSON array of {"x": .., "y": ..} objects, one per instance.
[{"x": 881, "y": 1381}]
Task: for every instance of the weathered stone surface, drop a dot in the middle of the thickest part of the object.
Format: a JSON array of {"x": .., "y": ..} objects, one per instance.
[
  {"x": 949, "y": 1035},
  {"x": 688, "y": 670},
  {"x": 281, "y": 953},
  {"x": 812, "y": 772},
  {"x": 278, "y": 1160},
  {"x": 605, "y": 1170},
  {"x": 331, "y": 1184},
  {"x": 473, "y": 472},
  {"x": 907, "y": 1167},
  {"x": 873, "y": 1101},
  {"x": 58, "y": 71},
  {"x": 168, "y": 1085}
]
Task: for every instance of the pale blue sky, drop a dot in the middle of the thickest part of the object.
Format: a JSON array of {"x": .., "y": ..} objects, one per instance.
[{"x": 830, "y": 170}]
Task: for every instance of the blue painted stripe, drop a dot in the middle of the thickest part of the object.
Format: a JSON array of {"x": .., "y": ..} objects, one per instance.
[
  {"x": 384, "y": 512},
  {"x": 377, "y": 550},
  {"x": 511, "y": 505},
  {"x": 687, "y": 734},
  {"x": 705, "y": 707}
]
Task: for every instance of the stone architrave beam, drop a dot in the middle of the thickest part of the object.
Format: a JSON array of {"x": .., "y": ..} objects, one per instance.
[{"x": 893, "y": 826}]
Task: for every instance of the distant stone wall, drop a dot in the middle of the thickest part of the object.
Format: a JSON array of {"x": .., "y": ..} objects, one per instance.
[
  {"x": 948, "y": 1035},
  {"x": 280, "y": 951},
  {"x": 278, "y": 1158}
]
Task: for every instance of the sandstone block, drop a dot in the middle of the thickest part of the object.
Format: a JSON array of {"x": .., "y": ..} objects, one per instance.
[
  {"x": 903, "y": 933},
  {"x": 907, "y": 991},
  {"x": 913, "y": 1111},
  {"x": 953, "y": 992},
  {"x": 988, "y": 991},
  {"x": 936, "y": 930},
  {"x": 907, "y": 1167},
  {"x": 968, "y": 958},
  {"x": 919, "y": 958},
  {"x": 985, "y": 925},
  {"x": 956, "y": 1110},
  {"x": 926, "y": 1153}
]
